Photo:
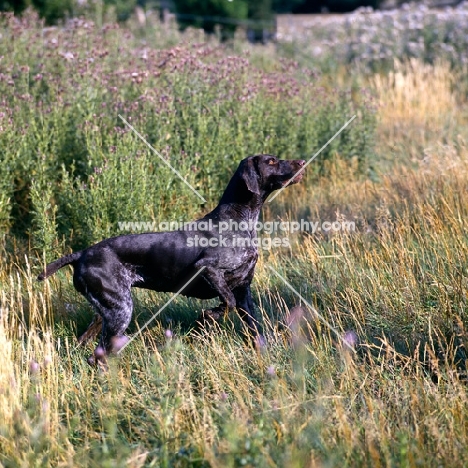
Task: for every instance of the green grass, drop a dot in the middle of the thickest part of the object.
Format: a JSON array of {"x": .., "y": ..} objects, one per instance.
[{"x": 194, "y": 397}]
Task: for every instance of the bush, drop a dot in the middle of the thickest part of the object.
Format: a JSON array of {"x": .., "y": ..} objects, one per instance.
[
  {"x": 202, "y": 110},
  {"x": 373, "y": 41},
  {"x": 53, "y": 10},
  {"x": 208, "y": 14}
]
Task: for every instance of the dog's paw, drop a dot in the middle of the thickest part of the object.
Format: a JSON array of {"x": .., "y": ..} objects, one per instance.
[
  {"x": 212, "y": 316},
  {"x": 99, "y": 359}
]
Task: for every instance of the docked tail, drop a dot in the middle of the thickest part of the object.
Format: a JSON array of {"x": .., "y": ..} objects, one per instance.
[{"x": 51, "y": 268}]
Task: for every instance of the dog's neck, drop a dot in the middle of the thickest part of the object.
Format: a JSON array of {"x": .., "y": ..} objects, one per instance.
[
  {"x": 239, "y": 203},
  {"x": 238, "y": 210}
]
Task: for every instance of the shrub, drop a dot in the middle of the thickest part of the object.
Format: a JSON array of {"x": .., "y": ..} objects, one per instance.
[
  {"x": 207, "y": 14},
  {"x": 202, "y": 110},
  {"x": 373, "y": 40}
]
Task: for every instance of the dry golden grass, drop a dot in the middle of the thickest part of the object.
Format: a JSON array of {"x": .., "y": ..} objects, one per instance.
[
  {"x": 416, "y": 93},
  {"x": 418, "y": 106}
]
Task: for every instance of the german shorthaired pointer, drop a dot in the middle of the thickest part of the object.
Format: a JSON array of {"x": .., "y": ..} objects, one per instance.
[{"x": 221, "y": 242}]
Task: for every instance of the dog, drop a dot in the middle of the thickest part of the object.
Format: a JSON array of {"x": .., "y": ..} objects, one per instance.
[{"x": 164, "y": 261}]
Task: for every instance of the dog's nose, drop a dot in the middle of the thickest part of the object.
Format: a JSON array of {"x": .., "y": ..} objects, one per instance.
[{"x": 300, "y": 162}]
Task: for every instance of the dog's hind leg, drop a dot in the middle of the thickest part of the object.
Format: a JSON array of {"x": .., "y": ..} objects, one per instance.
[
  {"x": 116, "y": 315},
  {"x": 93, "y": 330}
]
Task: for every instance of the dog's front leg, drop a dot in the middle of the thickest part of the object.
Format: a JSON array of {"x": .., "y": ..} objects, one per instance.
[
  {"x": 245, "y": 307},
  {"x": 215, "y": 278}
]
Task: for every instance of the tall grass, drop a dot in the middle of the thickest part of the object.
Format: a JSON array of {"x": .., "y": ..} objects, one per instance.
[
  {"x": 422, "y": 106},
  {"x": 184, "y": 396}
]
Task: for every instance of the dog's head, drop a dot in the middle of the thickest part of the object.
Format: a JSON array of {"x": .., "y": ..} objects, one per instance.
[{"x": 265, "y": 173}]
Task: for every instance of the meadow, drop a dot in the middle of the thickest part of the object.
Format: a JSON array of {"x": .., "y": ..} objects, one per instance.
[{"x": 179, "y": 395}]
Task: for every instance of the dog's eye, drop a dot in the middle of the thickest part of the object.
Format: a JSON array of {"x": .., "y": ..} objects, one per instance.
[{"x": 272, "y": 161}]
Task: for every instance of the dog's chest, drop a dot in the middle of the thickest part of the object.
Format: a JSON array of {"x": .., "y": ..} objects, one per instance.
[{"x": 240, "y": 267}]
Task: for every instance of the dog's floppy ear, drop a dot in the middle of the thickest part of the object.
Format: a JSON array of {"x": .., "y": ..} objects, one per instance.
[{"x": 249, "y": 175}]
